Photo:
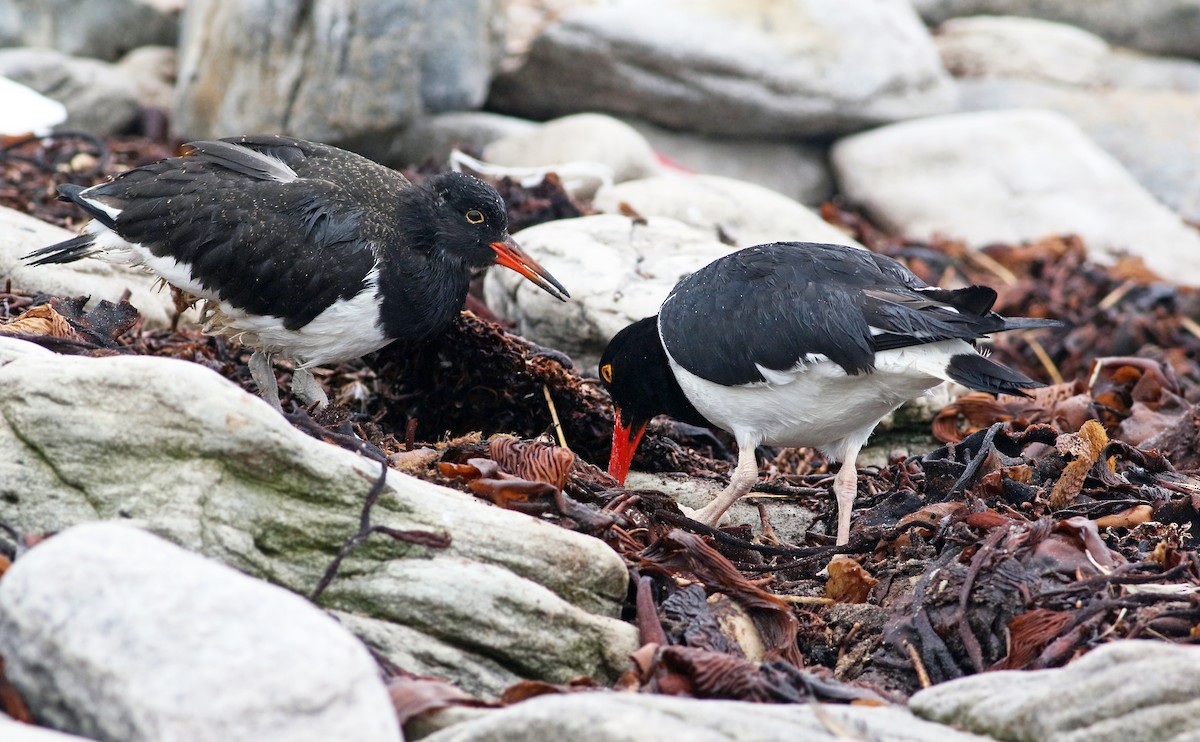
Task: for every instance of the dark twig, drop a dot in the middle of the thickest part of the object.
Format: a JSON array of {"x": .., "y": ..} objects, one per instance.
[{"x": 365, "y": 529}]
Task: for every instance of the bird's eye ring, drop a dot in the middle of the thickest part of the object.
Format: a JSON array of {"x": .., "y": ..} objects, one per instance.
[
  {"x": 475, "y": 216},
  {"x": 606, "y": 373}
]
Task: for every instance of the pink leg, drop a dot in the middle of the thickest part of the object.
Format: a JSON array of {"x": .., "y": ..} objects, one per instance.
[
  {"x": 845, "y": 489},
  {"x": 742, "y": 479}
]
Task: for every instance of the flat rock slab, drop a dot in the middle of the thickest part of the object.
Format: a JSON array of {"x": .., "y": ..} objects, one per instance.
[
  {"x": 192, "y": 457},
  {"x": 1126, "y": 691},
  {"x": 111, "y": 632},
  {"x": 21, "y": 234},
  {"x": 627, "y": 717},
  {"x": 1010, "y": 176},
  {"x": 757, "y": 68}
]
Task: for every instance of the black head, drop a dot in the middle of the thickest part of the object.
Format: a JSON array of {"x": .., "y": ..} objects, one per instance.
[
  {"x": 471, "y": 224},
  {"x": 635, "y": 371}
]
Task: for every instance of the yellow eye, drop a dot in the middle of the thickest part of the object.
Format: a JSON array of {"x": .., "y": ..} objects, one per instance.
[
  {"x": 475, "y": 216},
  {"x": 606, "y": 373}
]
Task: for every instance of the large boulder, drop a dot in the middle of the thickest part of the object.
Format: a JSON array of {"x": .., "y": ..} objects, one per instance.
[
  {"x": 1158, "y": 26},
  {"x": 1139, "y": 109},
  {"x": 1008, "y": 176},
  {"x": 353, "y": 73},
  {"x": 1122, "y": 691},
  {"x": 99, "y": 97},
  {"x": 760, "y": 68},
  {"x": 182, "y": 452},
  {"x": 112, "y": 633},
  {"x": 101, "y": 29}
]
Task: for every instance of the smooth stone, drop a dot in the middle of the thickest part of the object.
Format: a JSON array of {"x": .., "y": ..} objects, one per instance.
[
  {"x": 179, "y": 450},
  {"x": 632, "y": 717},
  {"x": 113, "y": 633},
  {"x": 21, "y": 234},
  {"x": 15, "y": 731},
  {"x": 27, "y": 111},
  {"x": 153, "y": 71},
  {"x": 758, "y": 68},
  {"x": 1156, "y": 26},
  {"x": 1010, "y": 176},
  {"x": 98, "y": 96},
  {"x": 1019, "y": 47},
  {"x": 619, "y": 270},
  {"x": 581, "y": 138},
  {"x": 99, "y": 29},
  {"x": 795, "y": 169},
  {"x": 434, "y": 137},
  {"x": 1123, "y": 691},
  {"x": 730, "y": 210}
]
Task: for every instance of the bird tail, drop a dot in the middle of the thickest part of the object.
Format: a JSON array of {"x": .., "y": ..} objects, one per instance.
[
  {"x": 1026, "y": 323},
  {"x": 64, "y": 252},
  {"x": 985, "y": 375}
]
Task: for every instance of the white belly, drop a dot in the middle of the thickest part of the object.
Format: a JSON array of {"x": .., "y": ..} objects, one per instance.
[
  {"x": 348, "y": 329},
  {"x": 820, "y": 405}
]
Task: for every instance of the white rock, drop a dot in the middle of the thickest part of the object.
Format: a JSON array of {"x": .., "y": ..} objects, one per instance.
[
  {"x": 1008, "y": 176},
  {"x": 619, "y": 271},
  {"x": 748, "y": 68},
  {"x": 20, "y": 234},
  {"x": 181, "y": 451},
  {"x": 631, "y": 717},
  {"x": 1158, "y": 26},
  {"x": 795, "y": 169},
  {"x": 582, "y": 138},
  {"x": 1124, "y": 690},
  {"x": 13, "y": 731},
  {"x": 1019, "y": 47},
  {"x": 734, "y": 210},
  {"x": 98, "y": 96},
  {"x": 27, "y": 111},
  {"x": 111, "y": 632}
]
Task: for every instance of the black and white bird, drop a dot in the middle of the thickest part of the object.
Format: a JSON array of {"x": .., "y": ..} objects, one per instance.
[
  {"x": 799, "y": 344},
  {"x": 301, "y": 249}
]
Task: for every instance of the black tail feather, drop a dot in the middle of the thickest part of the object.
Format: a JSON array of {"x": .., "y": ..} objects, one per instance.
[
  {"x": 985, "y": 375},
  {"x": 64, "y": 252},
  {"x": 71, "y": 192},
  {"x": 1028, "y": 323}
]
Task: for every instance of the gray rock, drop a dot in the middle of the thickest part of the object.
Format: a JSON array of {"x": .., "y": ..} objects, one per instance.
[
  {"x": 797, "y": 170},
  {"x": 13, "y": 731},
  {"x": 195, "y": 459},
  {"x": 113, "y": 633},
  {"x": 1140, "y": 110},
  {"x": 581, "y": 138},
  {"x": 740, "y": 69},
  {"x": 152, "y": 69},
  {"x": 434, "y": 137},
  {"x": 99, "y": 97},
  {"x": 1151, "y": 133},
  {"x": 732, "y": 210},
  {"x": 1019, "y": 47},
  {"x": 1008, "y": 176},
  {"x": 1158, "y": 26},
  {"x": 1124, "y": 691},
  {"x": 629, "y": 717},
  {"x": 101, "y": 29},
  {"x": 619, "y": 270},
  {"x": 352, "y": 73},
  {"x": 20, "y": 234}
]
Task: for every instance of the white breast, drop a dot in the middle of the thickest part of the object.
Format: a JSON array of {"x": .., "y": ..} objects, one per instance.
[{"x": 819, "y": 404}]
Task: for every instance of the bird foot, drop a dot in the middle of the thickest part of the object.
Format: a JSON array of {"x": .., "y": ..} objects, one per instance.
[{"x": 307, "y": 389}]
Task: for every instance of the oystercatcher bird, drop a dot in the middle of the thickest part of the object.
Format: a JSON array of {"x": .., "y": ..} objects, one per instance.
[
  {"x": 799, "y": 344},
  {"x": 300, "y": 249}
]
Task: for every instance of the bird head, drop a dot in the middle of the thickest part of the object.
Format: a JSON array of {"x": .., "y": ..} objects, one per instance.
[
  {"x": 630, "y": 368},
  {"x": 472, "y": 224}
]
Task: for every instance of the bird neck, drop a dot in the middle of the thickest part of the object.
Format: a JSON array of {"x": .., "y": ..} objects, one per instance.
[
  {"x": 653, "y": 388},
  {"x": 421, "y": 294}
]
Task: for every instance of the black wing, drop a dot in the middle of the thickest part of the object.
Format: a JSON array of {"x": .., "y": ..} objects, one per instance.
[
  {"x": 257, "y": 220},
  {"x": 774, "y": 305}
]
